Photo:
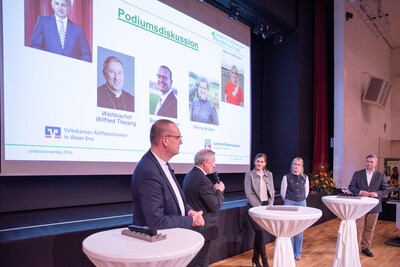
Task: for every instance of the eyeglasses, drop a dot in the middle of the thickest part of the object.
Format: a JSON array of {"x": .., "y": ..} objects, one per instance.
[
  {"x": 175, "y": 136},
  {"x": 159, "y": 77}
]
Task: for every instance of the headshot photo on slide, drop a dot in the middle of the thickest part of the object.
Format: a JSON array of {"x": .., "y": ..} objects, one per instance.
[
  {"x": 115, "y": 80},
  {"x": 203, "y": 99},
  {"x": 163, "y": 100},
  {"x": 63, "y": 27},
  {"x": 232, "y": 79}
]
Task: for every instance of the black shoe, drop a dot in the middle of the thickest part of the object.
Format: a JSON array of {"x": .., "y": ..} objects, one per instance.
[
  {"x": 255, "y": 262},
  {"x": 265, "y": 263},
  {"x": 367, "y": 252}
]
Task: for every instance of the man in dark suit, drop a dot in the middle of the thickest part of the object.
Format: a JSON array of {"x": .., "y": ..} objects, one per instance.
[
  {"x": 167, "y": 104},
  {"x": 157, "y": 199},
  {"x": 110, "y": 94},
  {"x": 57, "y": 34},
  {"x": 202, "y": 195},
  {"x": 368, "y": 183}
]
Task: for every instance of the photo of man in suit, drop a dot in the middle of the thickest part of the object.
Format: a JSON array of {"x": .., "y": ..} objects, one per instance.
[
  {"x": 167, "y": 104},
  {"x": 111, "y": 95},
  {"x": 58, "y": 34},
  {"x": 368, "y": 183},
  {"x": 202, "y": 195},
  {"x": 157, "y": 199}
]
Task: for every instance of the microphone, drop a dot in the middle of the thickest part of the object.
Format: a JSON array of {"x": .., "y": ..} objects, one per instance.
[
  {"x": 141, "y": 229},
  {"x": 216, "y": 177}
]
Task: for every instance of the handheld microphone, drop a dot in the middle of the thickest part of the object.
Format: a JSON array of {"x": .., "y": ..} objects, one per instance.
[
  {"x": 216, "y": 177},
  {"x": 141, "y": 229}
]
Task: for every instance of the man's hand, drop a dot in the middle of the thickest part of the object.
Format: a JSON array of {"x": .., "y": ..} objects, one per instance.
[
  {"x": 220, "y": 186},
  {"x": 198, "y": 219},
  {"x": 364, "y": 193},
  {"x": 373, "y": 194}
]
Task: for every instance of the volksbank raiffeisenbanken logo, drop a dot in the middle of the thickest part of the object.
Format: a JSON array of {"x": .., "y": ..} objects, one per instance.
[{"x": 52, "y": 132}]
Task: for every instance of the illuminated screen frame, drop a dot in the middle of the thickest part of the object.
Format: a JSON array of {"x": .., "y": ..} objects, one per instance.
[{"x": 35, "y": 123}]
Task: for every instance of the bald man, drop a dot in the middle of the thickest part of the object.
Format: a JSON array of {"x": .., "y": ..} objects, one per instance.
[{"x": 157, "y": 198}]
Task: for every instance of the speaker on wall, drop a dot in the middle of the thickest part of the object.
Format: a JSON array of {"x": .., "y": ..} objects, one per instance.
[{"x": 377, "y": 91}]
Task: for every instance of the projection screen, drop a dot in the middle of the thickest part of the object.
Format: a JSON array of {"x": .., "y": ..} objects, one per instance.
[{"x": 59, "y": 113}]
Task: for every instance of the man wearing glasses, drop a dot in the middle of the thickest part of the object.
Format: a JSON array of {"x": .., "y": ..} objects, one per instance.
[
  {"x": 157, "y": 199},
  {"x": 167, "y": 104}
]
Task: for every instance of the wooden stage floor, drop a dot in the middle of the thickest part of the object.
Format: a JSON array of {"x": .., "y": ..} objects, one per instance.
[{"x": 319, "y": 246}]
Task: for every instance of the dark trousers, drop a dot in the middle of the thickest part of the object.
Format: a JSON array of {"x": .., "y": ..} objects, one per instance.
[
  {"x": 259, "y": 239},
  {"x": 203, "y": 257}
]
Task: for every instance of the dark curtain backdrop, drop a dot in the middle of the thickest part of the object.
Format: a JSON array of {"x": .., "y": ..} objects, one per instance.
[
  {"x": 286, "y": 97},
  {"x": 320, "y": 149},
  {"x": 80, "y": 12}
]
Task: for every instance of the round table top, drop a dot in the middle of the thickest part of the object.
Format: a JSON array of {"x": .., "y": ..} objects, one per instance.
[
  {"x": 350, "y": 200},
  {"x": 111, "y": 245},
  {"x": 303, "y": 213},
  {"x": 348, "y": 208},
  {"x": 394, "y": 201},
  {"x": 285, "y": 223}
]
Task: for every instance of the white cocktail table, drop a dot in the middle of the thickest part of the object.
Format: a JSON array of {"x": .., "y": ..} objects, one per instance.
[
  {"x": 111, "y": 248},
  {"x": 348, "y": 210},
  {"x": 284, "y": 224},
  {"x": 396, "y": 240}
]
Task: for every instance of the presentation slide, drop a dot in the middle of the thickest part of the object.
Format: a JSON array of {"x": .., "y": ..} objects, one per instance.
[{"x": 84, "y": 82}]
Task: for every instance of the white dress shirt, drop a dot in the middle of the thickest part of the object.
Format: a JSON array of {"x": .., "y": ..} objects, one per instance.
[
  {"x": 263, "y": 188},
  {"x": 161, "y": 101},
  {"x": 369, "y": 176},
  {"x": 172, "y": 182},
  {"x": 64, "y": 20}
]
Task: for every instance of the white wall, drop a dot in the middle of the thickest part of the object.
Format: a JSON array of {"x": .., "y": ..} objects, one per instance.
[
  {"x": 395, "y": 95},
  {"x": 359, "y": 127}
]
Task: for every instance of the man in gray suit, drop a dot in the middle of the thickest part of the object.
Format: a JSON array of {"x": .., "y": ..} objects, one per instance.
[
  {"x": 203, "y": 196},
  {"x": 368, "y": 183}
]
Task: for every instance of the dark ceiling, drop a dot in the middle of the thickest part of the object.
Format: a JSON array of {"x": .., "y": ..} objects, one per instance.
[{"x": 279, "y": 15}]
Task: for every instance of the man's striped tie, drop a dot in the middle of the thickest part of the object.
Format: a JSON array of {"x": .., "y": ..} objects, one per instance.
[{"x": 62, "y": 33}]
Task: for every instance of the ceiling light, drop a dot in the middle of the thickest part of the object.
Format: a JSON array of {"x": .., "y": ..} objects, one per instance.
[
  {"x": 259, "y": 28},
  {"x": 235, "y": 11},
  {"x": 278, "y": 39}
]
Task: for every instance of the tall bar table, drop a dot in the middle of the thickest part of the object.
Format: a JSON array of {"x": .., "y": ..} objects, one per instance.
[
  {"x": 348, "y": 209},
  {"x": 112, "y": 249},
  {"x": 395, "y": 241},
  {"x": 284, "y": 223}
]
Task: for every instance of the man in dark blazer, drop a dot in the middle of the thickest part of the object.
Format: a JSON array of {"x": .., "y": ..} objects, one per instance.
[
  {"x": 368, "y": 183},
  {"x": 202, "y": 195},
  {"x": 157, "y": 199},
  {"x": 47, "y": 34},
  {"x": 167, "y": 104}
]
